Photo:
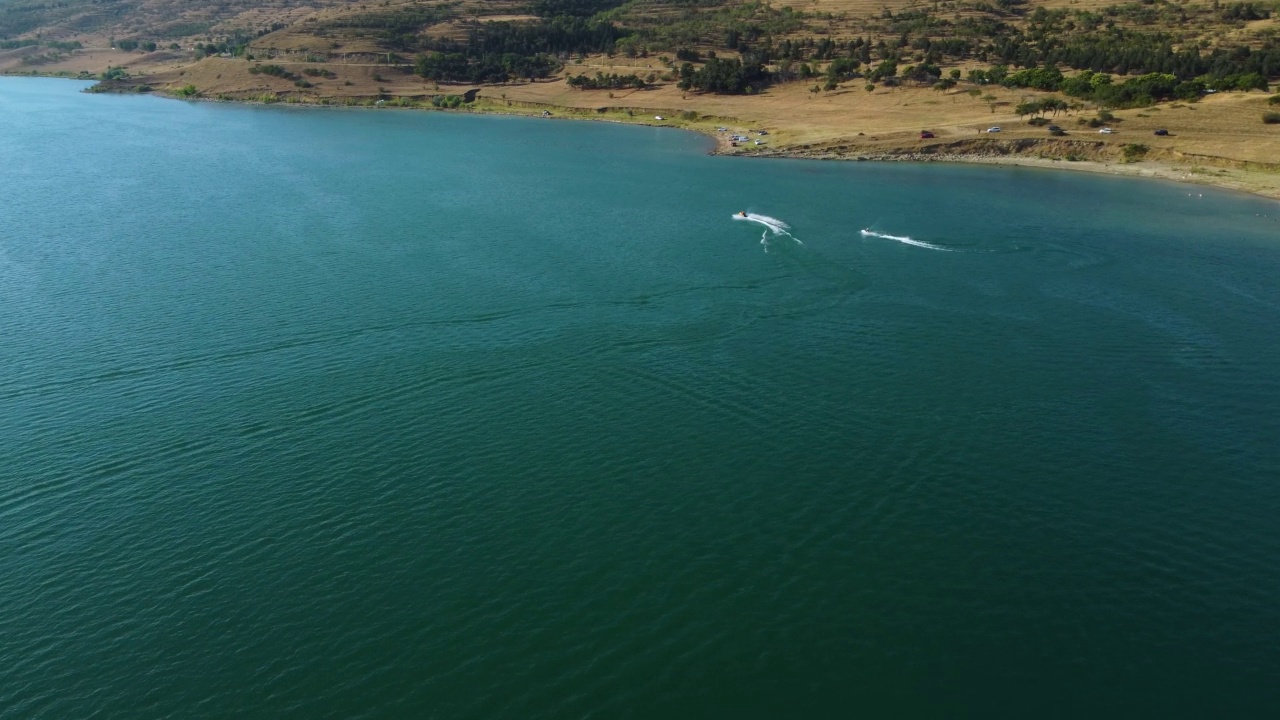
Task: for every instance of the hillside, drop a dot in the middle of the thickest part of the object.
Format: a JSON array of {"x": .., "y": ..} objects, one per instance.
[{"x": 830, "y": 78}]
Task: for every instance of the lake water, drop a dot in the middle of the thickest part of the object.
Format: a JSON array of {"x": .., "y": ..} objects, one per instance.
[{"x": 319, "y": 413}]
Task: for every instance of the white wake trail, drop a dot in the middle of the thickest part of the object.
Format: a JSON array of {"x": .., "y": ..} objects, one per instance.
[
  {"x": 906, "y": 240},
  {"x": 771, "y": 225}
]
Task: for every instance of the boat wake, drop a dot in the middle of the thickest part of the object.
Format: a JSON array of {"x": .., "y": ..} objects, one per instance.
[
  {"x": 905, "y": 240},
  {"x": 772, "y": 226}
]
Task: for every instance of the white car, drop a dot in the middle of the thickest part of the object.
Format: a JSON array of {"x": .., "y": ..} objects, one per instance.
[
  {"x": 759, "y": 142},
  {"x": 658, "y": 117},
  {"x": 993, "y": 129},
  {"x": 1106, "y": 131}
]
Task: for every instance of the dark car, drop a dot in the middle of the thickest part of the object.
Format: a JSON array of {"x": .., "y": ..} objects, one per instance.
[
  {"x": 1054, "y": 127},
  {"x": 924, "y": 134},
  {"x": 1162, "y": 132}
]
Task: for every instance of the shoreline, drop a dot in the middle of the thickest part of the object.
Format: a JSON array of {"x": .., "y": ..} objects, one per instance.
[
  {"x": 1221, "y": 173},
  {"x": 1147, "y": 170}
]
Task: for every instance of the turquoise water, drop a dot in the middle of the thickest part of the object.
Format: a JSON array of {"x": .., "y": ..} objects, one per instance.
[{"x": 387, "y": 414}]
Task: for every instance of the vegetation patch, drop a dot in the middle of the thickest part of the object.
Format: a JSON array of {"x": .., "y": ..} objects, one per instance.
[
  {"x": 273, "y": 71},
  {"x": 448, "y": 101},
  {"x": 1134, "y": 152},
  {"x": 601, "y": 81}
]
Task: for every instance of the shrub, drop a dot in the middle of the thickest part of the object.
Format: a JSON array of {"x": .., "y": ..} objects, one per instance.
[
  {"x": 1134, "y": 152},
  {"x": 1271, "y": 118},
  {"x": 1038, "y": 121},
  {"x": 187, "y": 91},
  {"x": 1274, "y": 100},
  {"x": 273, "y": 70},
  {"x": 447, "y": 101}
]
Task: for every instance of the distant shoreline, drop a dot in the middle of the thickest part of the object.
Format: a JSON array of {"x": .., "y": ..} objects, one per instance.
[{"x": 1017, "y": 152}]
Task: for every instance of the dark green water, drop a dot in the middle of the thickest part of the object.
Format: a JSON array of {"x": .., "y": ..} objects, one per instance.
[{"x": 382, "y": 414}]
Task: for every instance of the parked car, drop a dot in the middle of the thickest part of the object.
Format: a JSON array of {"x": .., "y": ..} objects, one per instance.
[
  {"x": 1057, "y": 132},
  {"x": 1162, "y": 132},
  {"x": 1106, "y": 131},
  {"x": 994, "y": 128},
  {"x": 1054, "y": 127},
  {"x": 925, "y": 134}
]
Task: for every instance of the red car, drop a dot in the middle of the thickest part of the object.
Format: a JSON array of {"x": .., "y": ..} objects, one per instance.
[{"x": 925, "y": 134}]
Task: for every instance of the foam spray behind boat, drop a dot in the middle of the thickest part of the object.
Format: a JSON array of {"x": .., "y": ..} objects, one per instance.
[{"x": 771, "y": 225}]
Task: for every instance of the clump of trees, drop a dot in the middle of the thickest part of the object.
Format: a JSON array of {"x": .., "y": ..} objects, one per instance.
[
  {"x": 725, "y": 77},
  {"x": 1102, "y": 89},
  {"x": 274, "y": 71},
  {"x": 235, "y": 46},
  {"x": 459, "y": 67},
  {"x": 612, "y": 81},
  {"x": 1271, "y": 118},
  {"x": 1040, "y": 107}
]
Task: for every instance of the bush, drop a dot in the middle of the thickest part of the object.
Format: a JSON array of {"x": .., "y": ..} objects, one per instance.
[
  {"x": 1274, "y": 100},
  {"x": 1271, "y": 118},
  {"x": 187, "y": 91},
  {"x": 273, "y": 70},
  {"x": 1038, "y": 121},
  {"x": 1134, "y": 152},
  {"x": 447, "y": 101}
]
